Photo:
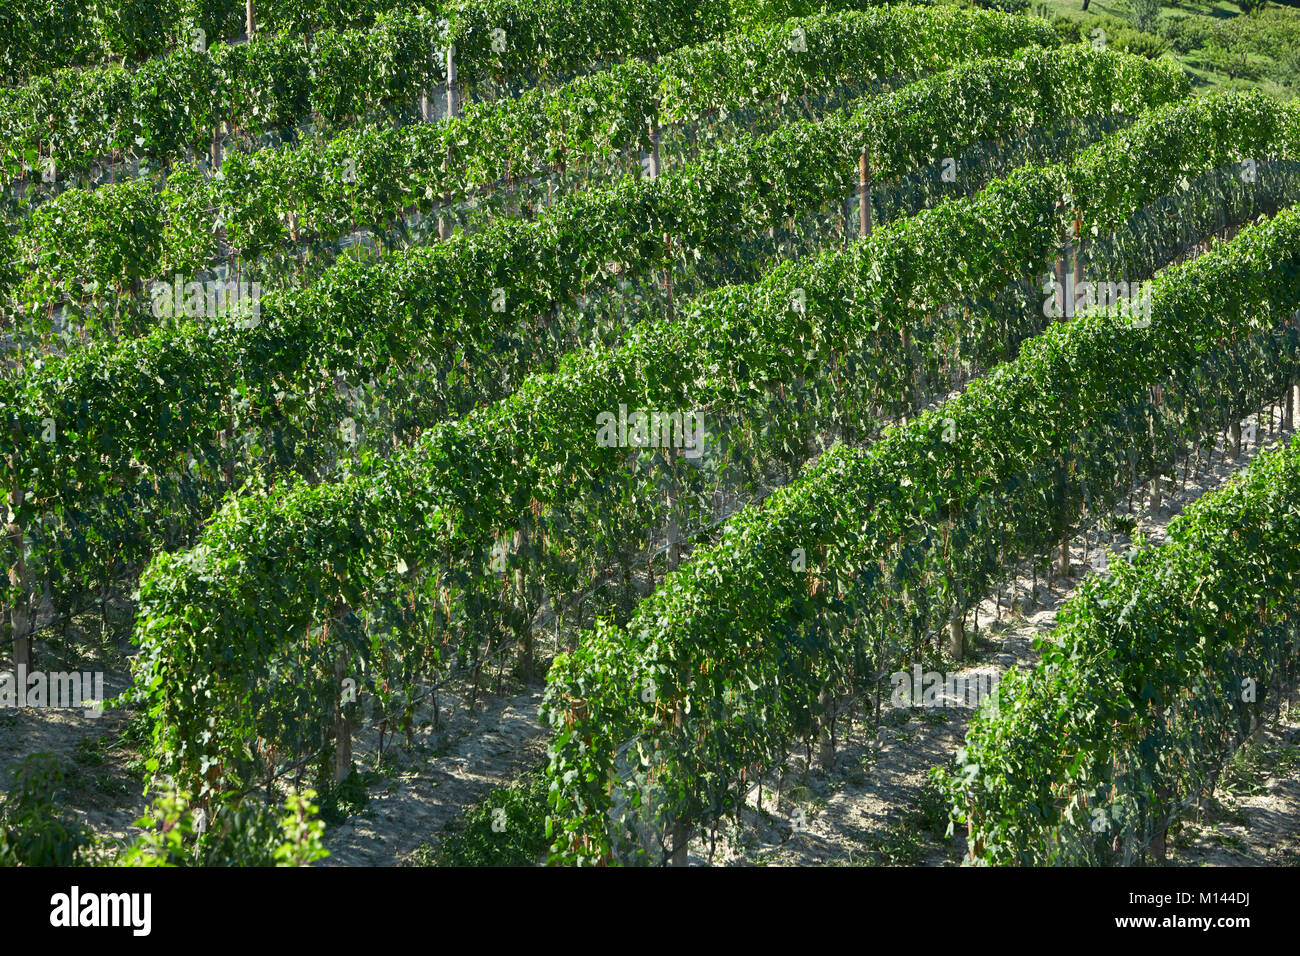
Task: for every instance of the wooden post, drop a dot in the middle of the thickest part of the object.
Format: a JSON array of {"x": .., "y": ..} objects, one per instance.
[
  {"x": 1157, "y": 847},
  {"x": 1074, "y": 248},
  {"x": 957, "y": 633},
  {"x": 453, "y": 101},
  {"x": 1289, "y": 406},
  {"x": 444, "y": 218},
  {"x": 668, "y": 278},
  {"x": 250, "y": 20},
  {"x": 1067, "y": 299},
  {"x": 674, "y": 546},
  {"x": 20, "y": 612},
  {"x": 655, "y": 161},
  {"x": 526, "y": 660},
  {"x": 864, "y": 196},
  {"x": 226, "y": 440},
  {"x": 342, "y": 732},
  {"x": 1153, "y": 501},
  {"x": 826, "y": 748},
  {"x": 681, "y": 828}
]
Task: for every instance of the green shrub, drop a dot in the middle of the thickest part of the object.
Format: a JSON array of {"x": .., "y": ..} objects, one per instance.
[
  {"x": 1231, "y": 59},
  {"x": 1115, "y": 35},
  {"x": 1187, "y": 33},
  {"x": 1142, "y": 44},
  {"x": 338, "y": 801},
  {"x": 507, "y": 829},
  {"x": 1144, "y": 14},
  {"x": 248, "y": 833},
  {"x": 1287, "y": 70},
  {"x": 1068, "y": 29},
  {"x": 32, "y": 830}
]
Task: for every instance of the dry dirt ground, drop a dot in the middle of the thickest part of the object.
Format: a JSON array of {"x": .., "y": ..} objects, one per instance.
[
  {"x": 1253, "y": 817},
  {"x": 444, "y": 772},
  {"x": 422, "y": 785},
  {"x": 101, "y": 778}
]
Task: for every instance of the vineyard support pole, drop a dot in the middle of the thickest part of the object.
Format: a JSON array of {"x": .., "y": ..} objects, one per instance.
[
  {"x": 1153, "y": 502},
  {"x": 957, "y": 633},
  {"x": 681, "y": 828},
  {"x": 668, "y": 277},
  {"x": 526, "y": 634},
  {"x": 826, "y": 746},
  {"x": 654, "y": 167},
  {"x": 444, "y": 218},
  {"x": 654, "y": 160},
  {"x": 1076, "y": 260},
  {"x": 1292, "y": 392},
  {"x": 453, "y": 101},
  {"x": 342, "y": 732},
  {"x": 226, "y": 440},
  {"x": 1075, "y": 268},
  {"x": 956, "y": 644},
  {"x": 681, "y": 841},
  {"x": 674, "y": 555},
  {"x": 1067, "y": 298},
  {"x": 864, "y": 195},
  {"x": 20, "y": 612}
]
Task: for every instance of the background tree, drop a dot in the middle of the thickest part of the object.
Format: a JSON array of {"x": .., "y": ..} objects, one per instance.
[{"x": 1145, "y": 13}]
